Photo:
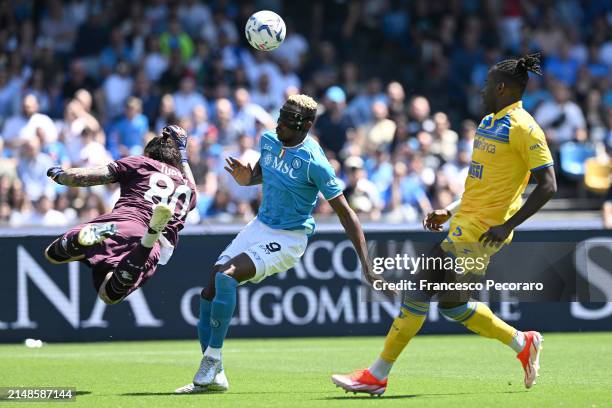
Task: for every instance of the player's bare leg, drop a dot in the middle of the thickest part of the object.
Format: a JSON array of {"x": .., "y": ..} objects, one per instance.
[
  {"x": 223, "y": 295},
  {"x": 118, "y": 282},
  {"x": 71, "y": 247}
]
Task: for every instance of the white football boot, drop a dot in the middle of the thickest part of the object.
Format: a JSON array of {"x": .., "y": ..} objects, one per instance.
[{"x": 220, "y": 384}]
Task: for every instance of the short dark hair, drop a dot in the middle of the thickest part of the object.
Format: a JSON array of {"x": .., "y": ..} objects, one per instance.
[
  {"x": 516, "y": 70},
  {"x": 164, "y": 149}
]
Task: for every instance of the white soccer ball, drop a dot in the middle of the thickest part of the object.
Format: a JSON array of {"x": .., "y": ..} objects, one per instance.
[{"x": 265, "y": 30}]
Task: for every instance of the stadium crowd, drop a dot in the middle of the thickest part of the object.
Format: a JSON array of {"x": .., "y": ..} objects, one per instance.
[{"x": 83, "y": 82}]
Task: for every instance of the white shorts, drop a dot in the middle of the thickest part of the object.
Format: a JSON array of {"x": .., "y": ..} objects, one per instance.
[{"x": 271, "y": 250}]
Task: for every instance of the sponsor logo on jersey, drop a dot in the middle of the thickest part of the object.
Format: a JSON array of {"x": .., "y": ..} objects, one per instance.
[
  {"x": 480, "y": 144},
  {"x": 279, "y": 165},
  {"x": 475, "y": 170},
  {"x": 535, "y": 146}
]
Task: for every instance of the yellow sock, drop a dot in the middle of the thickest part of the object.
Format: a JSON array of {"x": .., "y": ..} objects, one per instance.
[
  {"x": 404, "y": 328},
  {"x": 477, "y": 317}
]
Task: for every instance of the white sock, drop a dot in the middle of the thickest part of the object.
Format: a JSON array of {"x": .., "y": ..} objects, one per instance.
[
  {"x": 148, "y": 240},
  {"x": 213, "y": 352},
  {"x": 518, "y": 342},
  {"x": 380, "y": 369}
]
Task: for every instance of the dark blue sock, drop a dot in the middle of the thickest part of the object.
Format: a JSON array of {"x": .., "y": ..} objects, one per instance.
[
  {"x": 222, "y": 308},
  {"x": 204, "y": 323}
]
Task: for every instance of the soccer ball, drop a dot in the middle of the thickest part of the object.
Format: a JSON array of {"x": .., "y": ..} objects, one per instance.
[{"x": 265, "y": 30}]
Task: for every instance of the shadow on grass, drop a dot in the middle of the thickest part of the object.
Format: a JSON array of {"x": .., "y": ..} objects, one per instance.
[
  {"x": 363, "y": 396},
  {"x": 79, "y": 393},
  {"x": 144, "y": 394}
]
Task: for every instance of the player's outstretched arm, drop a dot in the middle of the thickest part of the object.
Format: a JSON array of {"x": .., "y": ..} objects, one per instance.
[
  {"x": 245, "y": 175},
  {"x": 82, "y": 176},
  {"x": 546, "y": 187},
  {"x": 351, "y": 225}
]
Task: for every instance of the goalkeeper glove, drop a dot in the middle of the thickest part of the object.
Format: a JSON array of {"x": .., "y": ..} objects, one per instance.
[
  {"x": 179, "y": 135},
  {"x": 54, "y": 173}
]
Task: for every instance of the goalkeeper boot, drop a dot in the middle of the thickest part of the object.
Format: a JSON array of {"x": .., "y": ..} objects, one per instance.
[
  {"x": 92, "y": 234},
  {"x": 360, "y": 381},
  {"x": 161, "y": 216},
  {"x": 530, "y": 356}
]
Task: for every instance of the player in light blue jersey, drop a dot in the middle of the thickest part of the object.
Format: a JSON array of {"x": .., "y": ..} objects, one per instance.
[{"x": 293, "y": 170}]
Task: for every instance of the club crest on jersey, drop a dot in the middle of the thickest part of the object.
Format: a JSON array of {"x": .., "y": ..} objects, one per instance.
[{"x": 296, "y": 163}]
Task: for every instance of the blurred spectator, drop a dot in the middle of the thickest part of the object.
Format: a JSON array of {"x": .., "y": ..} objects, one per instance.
[
  {"x": 265, "y": 95},
  {"x": 77, "y": 79},
  {"x": 560, "y": 118},
  {"x": 418, "y": 114},
  {"x": 117, "y": 50},
  {"x": 194, "y": 16},
  {"x": 247, "y": 155},
  {"x": 360, "y": 107},
  {"x": 175, "y": 38},
  {"x": 147, "y": 94},
  {"x": 563, "y": 66},
  {"x": 378, "y": 134},
  {"x": 32, "y": 170},
  {"x": 155, "y": 63},
  {"x": 116, "y": 89},
  {"x": 228, "y": 129},
  {"x": 126, "y": 135},
  {"x": 361, "y": 194},
  {"x": 248, "y": 113},
  {"x": 293, "y": 49},
  {"x": 334, "y": 124},
  {"x": 58, "y": 27},
  {"x": 187, "y": 98},
  {"x": 167, "y": 114},
  {"x": 23, "y": 127},
  {"x": 45, "y": 215},
  {"x": 8, "y": 166},
  {"x": 10, "y": 87},
  {"x": 92, "y": 153}
]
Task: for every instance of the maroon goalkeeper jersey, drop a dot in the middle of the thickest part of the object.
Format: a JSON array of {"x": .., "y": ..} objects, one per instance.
[{"x": 146, "y": 182}]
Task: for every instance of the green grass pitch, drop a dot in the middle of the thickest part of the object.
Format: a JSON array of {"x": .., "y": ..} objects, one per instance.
[{"x": 434, "y": 371}]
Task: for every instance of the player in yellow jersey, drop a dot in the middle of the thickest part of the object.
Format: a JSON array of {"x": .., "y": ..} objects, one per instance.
[{"x": 508, "y": 147}]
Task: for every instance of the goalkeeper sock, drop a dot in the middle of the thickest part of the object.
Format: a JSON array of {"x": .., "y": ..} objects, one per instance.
[
  {"x": 222, "y": 308},
  {"x": 127, "y": 273},
  {"x": 477, "y": 317},
  {"x": 149, "y": 238},
  {"x": 404, "y": 328},
  {"x": 204, "y": 324}
]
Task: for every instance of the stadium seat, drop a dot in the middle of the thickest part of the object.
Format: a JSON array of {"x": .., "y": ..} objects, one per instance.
[
  {"x": 573, "y": 156},
  {"x": 597, "y": 175}
]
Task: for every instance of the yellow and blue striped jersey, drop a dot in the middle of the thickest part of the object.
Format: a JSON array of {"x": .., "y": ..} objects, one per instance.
[{"x": 507, "y": 147}]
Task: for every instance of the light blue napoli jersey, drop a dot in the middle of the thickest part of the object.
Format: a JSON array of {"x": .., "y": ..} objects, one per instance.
[{"x": 292, "y": 179}]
